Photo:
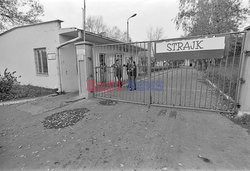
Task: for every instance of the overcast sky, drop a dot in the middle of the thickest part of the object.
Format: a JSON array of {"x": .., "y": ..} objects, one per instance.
[
  {"x": 153, "y": 13},
  {"x": 150, "y": 13}
]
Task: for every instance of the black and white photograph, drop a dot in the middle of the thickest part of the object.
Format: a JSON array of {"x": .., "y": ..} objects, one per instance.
[{"x": 124, "y": 85}]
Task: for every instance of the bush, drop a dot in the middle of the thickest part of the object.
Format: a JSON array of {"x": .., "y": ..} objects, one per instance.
[{"x": 7, "y": 81}]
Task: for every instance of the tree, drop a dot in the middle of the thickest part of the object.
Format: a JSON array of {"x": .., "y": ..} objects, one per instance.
[
  {"x": 202, "y": 17},
  {"x": 19, "y": 12},
  {"x": 155, "y": 34},
  {"x": 96, "y": 25},
  {"x": 116, "y": 33}
]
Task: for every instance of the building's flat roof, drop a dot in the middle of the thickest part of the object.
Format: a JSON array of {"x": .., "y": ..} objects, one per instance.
[
  {"x": 28, "y": 25},
  {"x": 71, "y": 31}
]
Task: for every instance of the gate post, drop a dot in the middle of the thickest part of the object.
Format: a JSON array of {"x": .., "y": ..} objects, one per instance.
[
  {"x": 84, "y": 54},
  {"x": 244, "y": 95},
  {"x": 149, "y": 73}
]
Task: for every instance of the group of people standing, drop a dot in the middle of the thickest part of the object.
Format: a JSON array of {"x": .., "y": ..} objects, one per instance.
[{"x": 118, "y": 73}]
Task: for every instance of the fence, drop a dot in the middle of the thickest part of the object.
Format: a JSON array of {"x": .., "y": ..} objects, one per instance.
[{"x": 205, "y": 82}]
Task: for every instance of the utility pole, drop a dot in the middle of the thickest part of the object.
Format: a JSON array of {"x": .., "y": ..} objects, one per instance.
[{"x": 84, "y": 21}]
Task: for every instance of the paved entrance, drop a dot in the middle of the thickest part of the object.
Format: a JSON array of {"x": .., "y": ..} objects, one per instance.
[{"x": 120, "y": 137}]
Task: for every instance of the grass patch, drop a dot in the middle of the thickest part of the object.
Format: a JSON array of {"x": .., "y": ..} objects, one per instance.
[{"x": 27, "y": 91}]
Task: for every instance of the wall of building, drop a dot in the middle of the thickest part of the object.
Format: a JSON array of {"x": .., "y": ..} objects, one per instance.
[{"x": 17, "y": 53}]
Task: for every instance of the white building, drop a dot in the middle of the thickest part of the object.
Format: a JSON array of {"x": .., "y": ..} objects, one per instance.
[{"x": 44, "y": 54}]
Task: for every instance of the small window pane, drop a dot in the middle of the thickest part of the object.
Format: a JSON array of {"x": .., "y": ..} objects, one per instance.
[
  {"x": 45, "y": 62},
  {"x": 41, "y": 61}
]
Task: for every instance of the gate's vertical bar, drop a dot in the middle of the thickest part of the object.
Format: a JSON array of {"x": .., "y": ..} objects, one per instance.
[
  {"x": 240, "y": 71},
  {"x": 103, "y": 84},
  {"x": 207, "y": 66},
  {"x": 135, "y": 74},
  {"x": 163, "y": 80},
  {"x": 102, "y": 91},
  {"x": 172, "y": 75},
  {"x": 136, "y": 63},
  {"x": 218, "y": 96},
  {"x": 119, "y": 86},
  {"x": 212, "y": 90},
  {"x": 190, "y": 97},
  {"x": 142, "y": 86},
  {"x": 201, "y": 87},
  {"x": 149, "y": 72},
  {"x": 225, "y": 75},
  {"x": 139, "y": 71},
  {"x": 109, "y": 93},
  {"x": 185, "y": 88},
  {"x": 152, "y": 86},
  {"x": 155, "y": 85},
  {"x": 128, "y": 81},
  {"x": 232, "y": 68},
  {"x": 176, "y": 82},
  {"x": 112, "y": 69},
  {"x": 180, "y": 86},
  {"x": 108, "y": 72},
  {"x": 95, "y": 92},
  {"x": 146, "y": 71},
  {"x": 196, "y": 80},
  {"x": 94, "y": 66},
  {"x": 124, "y": 72}
]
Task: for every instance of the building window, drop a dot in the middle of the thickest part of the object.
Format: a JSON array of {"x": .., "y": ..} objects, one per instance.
[
  {"x": 102, "y": 58},
  {"x": 119, "y": 57},
  {"x": 41, "y": 61}
]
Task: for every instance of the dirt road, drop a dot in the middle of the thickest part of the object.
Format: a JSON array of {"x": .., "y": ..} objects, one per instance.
[{"x": 120, "y": 137}]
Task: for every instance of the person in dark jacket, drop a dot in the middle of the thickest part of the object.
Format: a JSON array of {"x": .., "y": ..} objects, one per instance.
[
  {"x": 118, "y": 72},
  {"x": 134, "y": 74},
  {"x": 103, "y": 73},
  {"x": 129, "y": 67}
]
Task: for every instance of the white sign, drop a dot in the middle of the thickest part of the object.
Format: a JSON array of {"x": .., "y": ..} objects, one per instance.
[
  {"x": 51, "y": 56},
  {"x": 80, "y": 54},
  {"x": 214, "y": 43}
]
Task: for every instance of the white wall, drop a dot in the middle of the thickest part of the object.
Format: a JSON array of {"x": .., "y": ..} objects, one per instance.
[{"x": 17, "y": 53}]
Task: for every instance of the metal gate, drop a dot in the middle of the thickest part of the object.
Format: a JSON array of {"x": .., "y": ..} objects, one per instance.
[{"x": 204, "y": 81}]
